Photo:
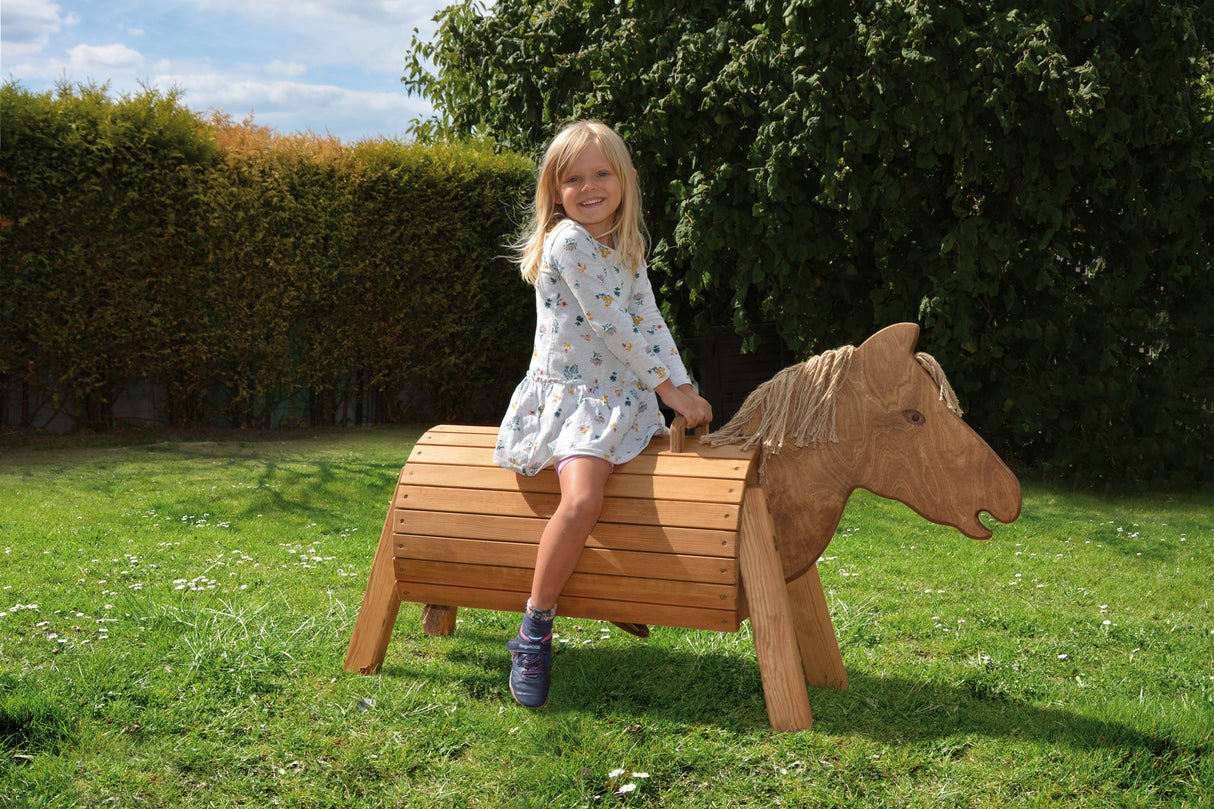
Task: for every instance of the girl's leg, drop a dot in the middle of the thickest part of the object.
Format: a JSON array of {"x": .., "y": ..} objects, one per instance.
[{"x": 582, "y": 479}]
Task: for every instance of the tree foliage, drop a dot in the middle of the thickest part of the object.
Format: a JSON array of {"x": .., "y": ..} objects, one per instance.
[{"x": 1030, "y": 182}]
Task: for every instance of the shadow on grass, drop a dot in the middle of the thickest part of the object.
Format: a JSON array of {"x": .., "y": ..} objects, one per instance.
[
  {"x": 896, "y": 710},
  {"x": 627, "y": 682},
  {"x": 724, "y": 691},
  {"x": 316, "y": 489}
]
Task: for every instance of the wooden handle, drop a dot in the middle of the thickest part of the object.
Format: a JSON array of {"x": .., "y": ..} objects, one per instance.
[{"x": 678, "y": 433}]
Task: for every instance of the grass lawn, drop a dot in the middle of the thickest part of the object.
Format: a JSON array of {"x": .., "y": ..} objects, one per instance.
[{"x": 174, "y": 618}]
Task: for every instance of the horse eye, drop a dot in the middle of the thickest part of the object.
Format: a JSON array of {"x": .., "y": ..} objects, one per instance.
[{"x": 914, "y": 417}]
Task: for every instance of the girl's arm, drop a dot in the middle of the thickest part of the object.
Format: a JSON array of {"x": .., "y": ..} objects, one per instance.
[
  {"x": 683, "y": 400},
  {"x": 677, "y": 393}
]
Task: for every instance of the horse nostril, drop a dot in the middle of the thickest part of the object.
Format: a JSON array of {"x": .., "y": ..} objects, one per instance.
[{"x": 914, "y": 417}]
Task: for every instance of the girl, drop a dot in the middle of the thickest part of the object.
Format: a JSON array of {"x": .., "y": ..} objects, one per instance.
[{"x": 602, "y": 350}]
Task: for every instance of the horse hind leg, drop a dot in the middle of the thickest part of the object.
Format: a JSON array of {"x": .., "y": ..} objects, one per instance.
[
  {"x": 820, "y": 657},
  {"x": 438, "y": 620},
  {"x": 377, "y": 615}
]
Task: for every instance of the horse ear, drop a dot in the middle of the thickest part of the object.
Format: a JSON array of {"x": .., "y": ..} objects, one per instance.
[{"x": 900, "y": 337}]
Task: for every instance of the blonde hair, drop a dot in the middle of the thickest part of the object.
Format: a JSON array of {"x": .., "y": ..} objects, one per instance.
[{"x": 628, "y": 232}]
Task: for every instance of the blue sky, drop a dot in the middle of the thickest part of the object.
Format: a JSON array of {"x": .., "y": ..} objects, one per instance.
[{"x": 328, "y": 66}]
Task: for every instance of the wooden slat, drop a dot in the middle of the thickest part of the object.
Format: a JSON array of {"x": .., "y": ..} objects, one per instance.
[
  {"x": 686, "y": 464},
  {"x": 580, "y": 585},
  {"x": 707, "y": 490},
  {"x": 574, "y": 607},
  {"x": 631, "y": 510},
  {"x": 676, "y": 567},
  {"x": 664, "y": 463},
  {"x": 648, "y": 538},
  {"x": 455, "y": 433},
  {"x": 654, "y": 614}
]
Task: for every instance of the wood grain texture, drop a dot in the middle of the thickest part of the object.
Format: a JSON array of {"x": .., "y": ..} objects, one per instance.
[
  {"x": 377, "y": 616},
  {"x": 771, "y": 620}
]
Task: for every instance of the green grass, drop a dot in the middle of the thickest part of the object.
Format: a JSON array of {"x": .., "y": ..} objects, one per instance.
[{"x": 174, "y": 617}]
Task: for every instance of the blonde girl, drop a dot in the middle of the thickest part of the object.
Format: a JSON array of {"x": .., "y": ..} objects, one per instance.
[{"x": 602, "y": 357}]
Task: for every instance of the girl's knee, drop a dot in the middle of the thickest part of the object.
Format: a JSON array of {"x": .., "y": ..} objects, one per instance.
[
  {"x": 583, "y": 479},
  {"x": 582, "y": 506}
]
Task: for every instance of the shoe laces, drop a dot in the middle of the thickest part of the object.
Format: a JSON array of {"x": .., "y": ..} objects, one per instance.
[{"x": 533, "y": 662}]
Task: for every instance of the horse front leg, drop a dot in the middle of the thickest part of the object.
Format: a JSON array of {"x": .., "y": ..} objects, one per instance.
[{"x": 770, "y": 618}]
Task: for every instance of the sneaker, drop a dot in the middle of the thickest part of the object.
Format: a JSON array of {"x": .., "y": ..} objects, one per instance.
[{"x": 530, "y": 670}]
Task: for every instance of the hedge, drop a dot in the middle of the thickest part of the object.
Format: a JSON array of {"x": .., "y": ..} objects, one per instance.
[
  {"x": 98, "y": 244},
  {"x": 250, "y": 276}
]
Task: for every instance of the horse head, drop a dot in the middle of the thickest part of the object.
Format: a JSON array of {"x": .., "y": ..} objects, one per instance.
[{"x": 877, "y": 417}]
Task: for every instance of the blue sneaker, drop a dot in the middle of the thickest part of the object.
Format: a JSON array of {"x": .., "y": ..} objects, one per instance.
[{"x": 530, "y": 670}]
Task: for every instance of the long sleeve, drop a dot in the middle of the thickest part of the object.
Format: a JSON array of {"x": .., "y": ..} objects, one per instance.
[
  {"x": 618, "y": 305},
  {"x": 648, "y": 318}
]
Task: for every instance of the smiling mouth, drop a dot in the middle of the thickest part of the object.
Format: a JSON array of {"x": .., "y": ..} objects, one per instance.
[{"x": 591, "y": 202}]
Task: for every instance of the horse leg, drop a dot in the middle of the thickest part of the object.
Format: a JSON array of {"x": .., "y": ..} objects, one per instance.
[
  {"x": 770, "y": 618},
  {"x": 820, "y": 656},
  {"x": 438, "y": 621},
  {"x": 377, "y": 615}
]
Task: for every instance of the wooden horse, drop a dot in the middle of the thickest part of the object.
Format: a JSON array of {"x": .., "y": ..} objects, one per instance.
[{"x": 705, "y": 536}]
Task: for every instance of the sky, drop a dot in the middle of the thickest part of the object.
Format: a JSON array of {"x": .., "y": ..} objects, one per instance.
[{"x": 331, "y": 67}]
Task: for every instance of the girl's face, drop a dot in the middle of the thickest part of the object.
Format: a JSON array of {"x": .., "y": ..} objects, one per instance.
[{"x": 590, "y": 191}]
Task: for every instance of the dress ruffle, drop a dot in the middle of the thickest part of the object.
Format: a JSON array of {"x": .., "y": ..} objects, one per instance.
[{"x": 548, "y": 420}]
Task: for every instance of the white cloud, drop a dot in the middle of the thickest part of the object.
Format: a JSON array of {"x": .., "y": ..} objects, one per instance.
[
  {"x": 283, "y": 104},
  {"x": 102, "y": 61},
  {"x": 281, "y": 68},
  {"x": 374, "y": 34},
  {"x": 366, "y": 12},
  {"x": 328, "y": 65},
  {"x": 26, "y": 26}
]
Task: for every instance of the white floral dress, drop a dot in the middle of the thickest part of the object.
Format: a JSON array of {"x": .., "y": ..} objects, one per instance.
[{"x": 601, "y": 347}]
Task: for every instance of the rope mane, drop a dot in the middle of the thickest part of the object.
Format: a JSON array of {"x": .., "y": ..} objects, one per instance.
[
  {"x": 798, "y": 404},
  {"x": 947, "y": 394}
]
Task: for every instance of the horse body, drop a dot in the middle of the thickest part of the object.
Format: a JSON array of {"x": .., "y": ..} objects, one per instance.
[{"x": 894, "y": 434}]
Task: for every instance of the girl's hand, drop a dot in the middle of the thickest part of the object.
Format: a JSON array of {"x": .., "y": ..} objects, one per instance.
[{"x": 683, "y": 400}]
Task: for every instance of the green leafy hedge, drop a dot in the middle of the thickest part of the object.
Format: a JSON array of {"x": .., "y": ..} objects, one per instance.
[
  {"x": 1030, "y": 181},
  {"x": 250, "y": 276},
  {"x": 98, "y": 257}
]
